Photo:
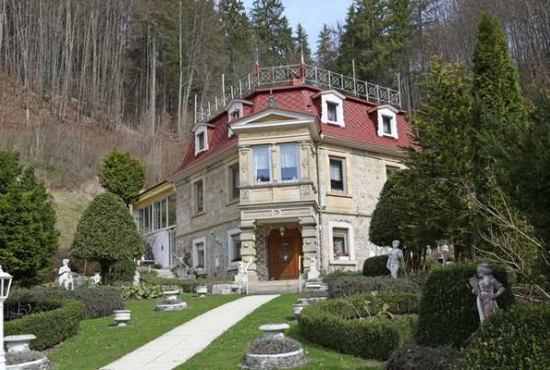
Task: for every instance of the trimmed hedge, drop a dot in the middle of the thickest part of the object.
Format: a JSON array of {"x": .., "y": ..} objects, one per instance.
[
  {"x": 186, "y": 286},
  {"x": 348, "y": 286},
  {"x": 448, "y": 311},
  {"x": 376, "y": 266},
  {"x": 123, "y": 271},
  {"x": 341, "y": 324},
  {"x": 98, "y": 301},
  {"x": 414, "y": 357},
  {"x": 518, "y": 338},
  {"x": 50, "y": 327}
]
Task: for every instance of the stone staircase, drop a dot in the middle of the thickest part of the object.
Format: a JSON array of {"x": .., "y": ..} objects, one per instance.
[{"x": 273, "y": 287}]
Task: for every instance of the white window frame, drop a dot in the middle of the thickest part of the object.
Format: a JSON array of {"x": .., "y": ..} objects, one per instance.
[
  {"x": 344, "y": 175},
  {"x": 254, "y": 177},
  {"x": 236, "y": 105},
  {"x": 297, "y": 152},
  {"x": 196, "y": 242},
  {"x": 350, "y": 243},
  {"x": 201, "y": 130},
  {"x": 231, "y": 248},
  {"x": 392, "y": 115},
  {"x": 335, "y": 98},
  {"x": 194, "y": 195}
]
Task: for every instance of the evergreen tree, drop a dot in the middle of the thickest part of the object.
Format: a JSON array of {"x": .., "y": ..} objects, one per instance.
[
  {"x": 327, "y": 51},
  {"x": 272, "y": 33},
  {"x": 122, "y": 175},
  {"x": 237, "y": 36},
  {"x": 375, "y": 36},
  {"x": 302, "y": 44},
  {"x": 28, "y": 238},
  {"x": 107, "y": 233}
]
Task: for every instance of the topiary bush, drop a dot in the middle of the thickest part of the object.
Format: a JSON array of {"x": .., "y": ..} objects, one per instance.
[
  {"x": 123, "y": 271},
  {"x": 97, "y": 301},
  {"x": 414, "y": 357},
  {"x": 376, "y": 266},
  {"x": 347, "y": 286},
  {"x": 515, "y": 339},
  {"x": 448, "y": 312},
  {"x": 50, "y": 327},
  {"x": 353, "y": 326}
]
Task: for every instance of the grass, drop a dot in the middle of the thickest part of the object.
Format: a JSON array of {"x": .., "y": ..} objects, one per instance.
[
  {"x": 228, "y": 350},
  {"x": 98, "y": 343},
  {"x": 69, "y": 207}
]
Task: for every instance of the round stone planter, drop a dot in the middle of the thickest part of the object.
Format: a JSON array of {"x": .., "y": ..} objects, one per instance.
[
  {"x": 274, "y": 331},
  {"x": 40, "y": 364},
  {"x": 201, "y": 290},
  {"x": 171, "y": 295},
  {"x": 282, "y": 361},
  {"x": 298, "y": 308},
  {"x": 122, "y": 317},
  {"x": 18, "y": 343}
]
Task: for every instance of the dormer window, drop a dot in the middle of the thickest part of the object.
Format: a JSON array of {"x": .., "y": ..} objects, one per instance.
[
  {"x": 386, "y": 117},
  {"x": 201, "y": 138},
  {"x": 332, "y": 107},
  {"x": 236, "y": 114}
]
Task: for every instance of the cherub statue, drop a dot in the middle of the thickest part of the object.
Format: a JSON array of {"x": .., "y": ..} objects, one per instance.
[
  {"x": 487, "y": 289},
  {"x": 313, "y": 273},
  {"x": 65, "y": 280},
  {"x": 394, "y": 257}
]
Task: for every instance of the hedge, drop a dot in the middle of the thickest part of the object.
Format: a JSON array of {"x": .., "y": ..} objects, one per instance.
[
  {"x": 348, "y": 286},
  {"x": 123, "y": 271},
  {"x": 50, "y": 327},
  {"x": 518, "y": 338},
  {"x": 414, "y": 357},
  {"x": 98, "y": 301},
  {"x": 342, "y": 324},
  {"x": 448, "y": 312},
  {"x": 186, "y": 286},
  {"x": 376, "y": 266}
]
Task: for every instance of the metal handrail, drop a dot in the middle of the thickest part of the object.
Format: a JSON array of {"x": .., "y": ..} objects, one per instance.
[{"x": 280, "y": 75}]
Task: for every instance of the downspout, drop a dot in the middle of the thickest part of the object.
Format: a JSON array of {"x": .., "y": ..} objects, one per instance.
[{"x": 319, "y": 199}]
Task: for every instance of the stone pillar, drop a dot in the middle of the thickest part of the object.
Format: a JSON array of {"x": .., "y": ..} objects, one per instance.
[
  {"x": 310, "y": 245},
  {"x": 248, "y": 248}
]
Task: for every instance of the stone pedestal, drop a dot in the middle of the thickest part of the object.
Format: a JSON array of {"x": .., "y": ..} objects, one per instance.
[
  {"x": 310, "y": 246},
  {"x": 248, "y": 248},
  {"x": 274, "y": 331},
  {"x": 18, "y": 343}
]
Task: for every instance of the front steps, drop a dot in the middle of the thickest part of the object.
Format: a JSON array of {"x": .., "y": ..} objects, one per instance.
[{"x": 273, "y": 287}]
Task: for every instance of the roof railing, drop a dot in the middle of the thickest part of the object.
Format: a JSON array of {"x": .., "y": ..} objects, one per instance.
[{"x": 282, "y": 75}]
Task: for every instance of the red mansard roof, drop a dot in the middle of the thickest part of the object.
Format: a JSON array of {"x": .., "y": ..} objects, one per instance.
[{"x": 360, "y": 126}]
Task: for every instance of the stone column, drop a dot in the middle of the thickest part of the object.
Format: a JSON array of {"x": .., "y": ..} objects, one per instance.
[
  {"x": 248, "y": 248},
  {"x": 310, "y": 244}
]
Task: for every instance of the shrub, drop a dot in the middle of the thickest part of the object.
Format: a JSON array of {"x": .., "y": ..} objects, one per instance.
[
  {"x": 187, "y": 286},
  {"x": 50, "y": 327},
  {"x": 98, "y": 301},
  {"x": 448, "y": 312},
  {"x": 122, "y": 174},
  {"x": 16, "y": 358},
  {"x": 351, "y": 326},
  {"x": 143, "y": 291},
  {"x": 347, "y": 286},
  {"x": 273, "y": 346},
  {"x": 376, "y": 266},
  {"x": 415, "y": 357},
  {"x": 508, "y": 340},
  {"x": 123, "y": 271}
]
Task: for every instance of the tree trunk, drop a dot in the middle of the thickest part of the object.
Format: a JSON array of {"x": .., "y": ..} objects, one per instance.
[{"x": 105, "y": 267}]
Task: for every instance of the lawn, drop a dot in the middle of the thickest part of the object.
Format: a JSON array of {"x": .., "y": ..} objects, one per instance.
[
  {"x": 98, "y": 343},
  {"x": 227, "y": 351}
]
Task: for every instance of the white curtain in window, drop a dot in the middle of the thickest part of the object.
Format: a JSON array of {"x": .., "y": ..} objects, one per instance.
[
  {"x": 336, "y": 170},
  {"x": 261, "y": 163},
  {"x": 289, "y": 162}
]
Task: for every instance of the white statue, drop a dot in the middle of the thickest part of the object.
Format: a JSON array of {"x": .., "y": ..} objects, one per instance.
[
  {"x": 313, "y": 273},
  {"x": 394, "y": 258},
  {"x": 65, "y": 280},
  {"x": 137, "y": 278},
  {"x": 241, "y": 277},
  {"x": 96, "y": 279}
]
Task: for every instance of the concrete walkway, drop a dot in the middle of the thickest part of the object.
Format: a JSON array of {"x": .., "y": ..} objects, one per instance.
[{"x": 180, "y": 344}]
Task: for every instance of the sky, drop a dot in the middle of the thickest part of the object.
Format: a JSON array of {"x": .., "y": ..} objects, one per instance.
[{"x": 312, "y": 14}]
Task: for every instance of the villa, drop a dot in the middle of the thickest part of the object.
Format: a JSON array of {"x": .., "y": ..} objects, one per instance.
[{"x": 284, "y": 172}]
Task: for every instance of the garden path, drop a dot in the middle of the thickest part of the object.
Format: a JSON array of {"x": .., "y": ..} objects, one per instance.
[{"x": 180, "y": 344}]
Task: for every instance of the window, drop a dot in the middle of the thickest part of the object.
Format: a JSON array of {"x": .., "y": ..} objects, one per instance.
[
  {"x": 386, "y": 125},
  {"x": 332, "y": 111},
  {"x": 289, "y": 162},
  {"x": 234, "y": 246},
  {"x": 198, "y": 188},
  {"x": 199, "y": 253},
  {"x": 390, "y": 170},
  {"x": 200, "y": 139},
  {"x": 234, "y": 182},
  {"x": 340, "y": 244},
  {"x": 337, "y": 174},
  {"x": 171, "y": 210},
  {"x": 147, "y": 219},
  {"x": 262, "y": 168},
  {"x": 236, "y": 114}
]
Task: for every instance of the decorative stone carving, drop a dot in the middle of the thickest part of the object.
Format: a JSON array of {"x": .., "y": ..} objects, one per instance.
[
  {"x": 65, "y": 280},
  {"x": 245, "y": 194},
  {"x": 313, "y": 273},
  {"x": 487, "y": 289},
  {"x": 306, "y": 190},
  {"x": 394, "y": 258},
  {"x": 96, "y": 278}
]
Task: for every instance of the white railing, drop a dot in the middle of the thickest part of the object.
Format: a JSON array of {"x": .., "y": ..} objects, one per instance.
[
  {"x": 281, "y": 75},
  {"x": 246, "y": 272}
]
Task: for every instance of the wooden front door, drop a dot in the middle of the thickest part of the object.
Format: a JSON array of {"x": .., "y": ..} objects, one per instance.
[{"x": 283, "y": 254}]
